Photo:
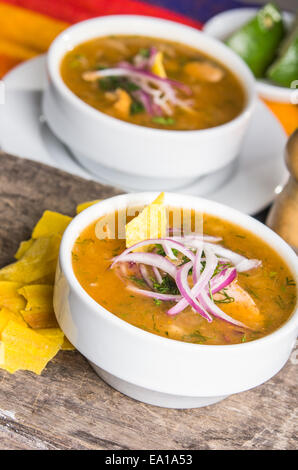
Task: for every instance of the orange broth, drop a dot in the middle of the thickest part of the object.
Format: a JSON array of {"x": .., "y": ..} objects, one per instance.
[
  {"x": 214, "y": 102},
  {"x": 271, "y": 287}
]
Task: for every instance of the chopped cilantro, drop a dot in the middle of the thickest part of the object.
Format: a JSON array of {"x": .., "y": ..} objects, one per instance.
[
  {"x": 290, "y": 282},
  {"x": 195, "y": 337},
  {"x": 227, "y": 299},
  {"x": 136, "y": 107},
  {"x": 157, "y": 301},
  {"x": 167, "y": 286},
  {"x": 109, "y": 83},
  {"x": 164, "y": 121},
  {"x": 112, "y": 83},
  {"x": 138, "y": 280},
  {"x": 144, "y": 52},
  {"x": 160, "y": 251}
]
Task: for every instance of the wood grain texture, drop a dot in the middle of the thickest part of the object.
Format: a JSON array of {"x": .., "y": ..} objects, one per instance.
[{"x": 69, "y": 407}]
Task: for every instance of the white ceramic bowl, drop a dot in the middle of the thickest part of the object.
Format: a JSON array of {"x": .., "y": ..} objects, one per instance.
[
  {"x": 225, "y": 23},
  {"x": 159, "y": 370},
  {"x": 163, "y": 158}
]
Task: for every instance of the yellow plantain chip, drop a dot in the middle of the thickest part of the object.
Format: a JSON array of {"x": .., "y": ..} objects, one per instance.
[
  {"x": 39, "y": 311},
  {"x": 84, "y": 205},
  {"x": 7, "y": 315},
  {"x": 22, "y": 348},
  {"x": 67, "y": 346},
  {"x": 57, "y": 332},
  {"x": 52, "y": 333},
  {"x": 38, "y": 262},
  {"x": 158, "y": 67},
  {"x": 50, "y": 223},
  {"x": 9, "y": 296},
  {"x": 150, "y": 223},
  {"x": 23, "y": 247}
]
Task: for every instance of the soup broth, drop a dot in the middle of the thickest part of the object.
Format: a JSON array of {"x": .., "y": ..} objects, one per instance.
[
  {"x": 269, "y": 300},
  {"x": 189, "y": 91}
]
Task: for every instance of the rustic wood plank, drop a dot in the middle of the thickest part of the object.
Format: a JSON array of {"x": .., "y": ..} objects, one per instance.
[{"x": 69, "y": 407}]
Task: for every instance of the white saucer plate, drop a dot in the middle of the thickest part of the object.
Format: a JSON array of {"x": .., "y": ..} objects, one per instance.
[
  {"x": 222, "y": 25},
  {"x": 249, "y": 185}
]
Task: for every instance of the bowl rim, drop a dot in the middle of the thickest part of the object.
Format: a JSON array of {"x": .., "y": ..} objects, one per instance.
[
  {"x": 53, "y": 68},
  {"x": 89, "y": 215}
]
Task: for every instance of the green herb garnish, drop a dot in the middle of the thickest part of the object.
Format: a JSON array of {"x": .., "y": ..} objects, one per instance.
[
  {"x": 157, "y": 301},
  {"x": 279, "y": 301},
  {"x": 164, "y": 121},
  {"x": 167, "y": 286},
  {"x": 195, "y": 337},
  {"x": 160, "y": 251},
  {"x": 290, "y": 282},
  {"x": 138, "y": 280},
  {"x": 227, "y": 299},
  {"x": 243, "y": 339},
  {"x": 109, "y": 83},
  {"x": 136, "y": 107},
  {"x": 144, "y": 52}
]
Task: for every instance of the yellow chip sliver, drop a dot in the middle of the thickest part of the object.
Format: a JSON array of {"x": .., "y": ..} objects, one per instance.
[
  {"x": 52, "y": 333},
  {"x": 38, "y": 262},
  {"x": 84, "y": 205},
  {"x": 67, "y": 346},
  {"x": 22, "y": 348},
  {"x": 150, "y": 223},
  {"x": 7, "y": 315},
  {"x": 9, "y": 296},
  {"x": 57, "y": 332},
  {"x": 39, "y": 311},
  {"x": 51, "y": 223},
  {"x": 23, "y": 247}
]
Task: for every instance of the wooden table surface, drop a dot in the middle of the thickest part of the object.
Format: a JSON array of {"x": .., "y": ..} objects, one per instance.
[{"x": 69, "y": 407}]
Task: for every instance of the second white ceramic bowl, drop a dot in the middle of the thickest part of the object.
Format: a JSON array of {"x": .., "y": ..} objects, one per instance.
[
  {"x": 159, "y": 370},
  {"x": 162, "y": 158}
]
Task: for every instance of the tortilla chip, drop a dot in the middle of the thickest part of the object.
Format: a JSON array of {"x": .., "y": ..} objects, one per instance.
[
  {"x": 7, "y": 315},
  {"x": 51, "y": 223},
  {"x": 56, "y": 333},
  {"x": 38, "y": 262},
  {"x": 52, "y": 333},
  {"x": 67, "y": 346},
  {"x": 23, "y": 247},
  {"x": 9, "y": 296},
  {"x": 84, "y": 205},
  {"x": 150, "y": 223},
  {"x": 22, "y": 348},
  {"x": 39, "y": 311}
]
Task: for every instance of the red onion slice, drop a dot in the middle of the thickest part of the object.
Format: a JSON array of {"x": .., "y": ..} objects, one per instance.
[
  {"x": 157, "y": 241},
  {"x": 155, "y": 295},
  {"x": 157, "y": 275},
  {"x": 223, "y": 280},
  {"x": 145, "y": 275},
  {"x": 186, "y": 292},
  {"x": 211, "y": 263},
  {"x": 152, "y": 259},
  {"x": 240, "y": 262},
  {"x": 197, "y": 264}
]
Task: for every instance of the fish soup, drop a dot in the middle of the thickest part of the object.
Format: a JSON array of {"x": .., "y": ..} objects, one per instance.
[
  {"x": 246, "y": 291},
  {"x": 153, "y": 82}
]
